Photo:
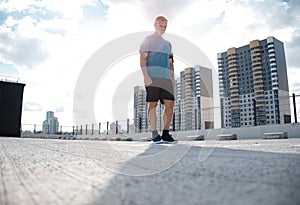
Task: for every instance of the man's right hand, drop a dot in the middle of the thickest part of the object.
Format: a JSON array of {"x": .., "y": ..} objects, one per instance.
[{"x": 147, "y": 80}]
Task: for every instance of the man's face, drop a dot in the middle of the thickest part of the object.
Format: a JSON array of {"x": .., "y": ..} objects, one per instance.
[{"x": 160, "y": 27}]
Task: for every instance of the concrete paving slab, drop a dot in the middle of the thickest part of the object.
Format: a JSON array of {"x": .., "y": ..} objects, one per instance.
[{"x": 52, "y": 171}]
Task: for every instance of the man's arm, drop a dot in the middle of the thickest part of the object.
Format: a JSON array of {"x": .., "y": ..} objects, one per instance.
[
  {"x": 143, "y": 64},
  {"x": 171, "y": 63}
]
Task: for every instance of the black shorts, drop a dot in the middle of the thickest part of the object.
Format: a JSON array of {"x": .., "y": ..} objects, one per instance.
[{"x": 160, "y": 89}]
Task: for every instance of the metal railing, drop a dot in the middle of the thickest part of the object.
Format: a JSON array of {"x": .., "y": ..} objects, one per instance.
[{"x": 101, "y": 128}]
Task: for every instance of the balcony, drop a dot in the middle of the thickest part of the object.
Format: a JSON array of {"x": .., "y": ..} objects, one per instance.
[
  {"x": 257, "y": 73},
  {"x": 274, "y": 70},
  {"x": 271, "y": 55},
  {"x": 256, "y": 55},
  {"x": 274, "y": 77},
  {"x": 256, "y": 63},
  {"x": 233, "y": 75},
  {"x": 271, "y": 50},
  {"x": 259, "y": 90},
  {"x": 260, "y": 105}
]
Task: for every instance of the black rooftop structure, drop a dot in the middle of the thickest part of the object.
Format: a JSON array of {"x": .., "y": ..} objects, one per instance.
[{"x": 11, "y": 98}]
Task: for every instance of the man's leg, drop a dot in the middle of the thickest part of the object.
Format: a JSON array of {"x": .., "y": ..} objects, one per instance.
[
  {"x": 152, "y": 115},
  {"x": 152, "y": 99},
  {"x": 168, "y": 113}
]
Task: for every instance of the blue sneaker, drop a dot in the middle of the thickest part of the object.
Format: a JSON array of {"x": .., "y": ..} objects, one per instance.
[
  {"x": 167, "y": 138},
  {"x": 156, "y": 139}
]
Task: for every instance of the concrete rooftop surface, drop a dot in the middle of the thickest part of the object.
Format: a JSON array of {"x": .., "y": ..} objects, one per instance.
[{"x": 52, "y": 171}]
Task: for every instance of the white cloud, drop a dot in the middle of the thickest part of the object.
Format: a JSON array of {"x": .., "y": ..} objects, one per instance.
[
  {"x": 32, "y": 106},
  {"x": 293, "y": 78},
  {"x": 293, "y": 50},
  {"x": 15, "y": 5},
  {"x": 150, "y": 9},
  {"x": 59, "y": 109}
]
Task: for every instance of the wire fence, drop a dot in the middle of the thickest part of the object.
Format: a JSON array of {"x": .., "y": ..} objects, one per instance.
[
  {"x": 101, "y": 128},
  {"x": 141, "y": 125},
  {"x": 129, "y": 126}
]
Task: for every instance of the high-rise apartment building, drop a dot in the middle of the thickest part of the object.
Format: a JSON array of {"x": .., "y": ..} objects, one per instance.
[
  {"x": 50, "y": 125},
  {"x": 140, "y": 109},
  {"x": 253, "y": 84},
  {"x": 194, "y": 99}
]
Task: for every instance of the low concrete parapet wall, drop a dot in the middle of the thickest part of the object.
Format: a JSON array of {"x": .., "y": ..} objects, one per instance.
[
  {"x": 257, "y": 132},
  {"x": 195, "y": 137},
  {"x": 227, "y": 136},
  {"x": 275, "y": 135}
]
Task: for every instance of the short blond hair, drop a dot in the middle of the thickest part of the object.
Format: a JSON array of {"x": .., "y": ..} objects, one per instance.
[{"x": 160, "y": 18}]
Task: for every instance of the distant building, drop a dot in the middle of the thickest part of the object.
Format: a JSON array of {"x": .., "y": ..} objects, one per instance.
[
  {"x": 140, "y": 109},
  {"x": 194, "y": 99},
  {"x": 253, "y": 84},
  {"x": 114, "y": 127},
  {"x": 50, "y": 125}
]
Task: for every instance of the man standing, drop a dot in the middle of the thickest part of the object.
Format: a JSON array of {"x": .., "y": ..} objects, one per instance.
[{"x": 156, "y": 60}]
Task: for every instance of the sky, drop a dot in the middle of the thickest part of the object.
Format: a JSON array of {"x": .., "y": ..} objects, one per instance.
[{"x": 47, "y": 43}]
